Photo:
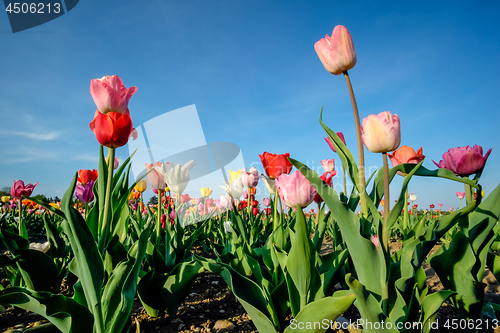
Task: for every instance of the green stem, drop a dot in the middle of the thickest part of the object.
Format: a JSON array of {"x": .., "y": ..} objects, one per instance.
[
  {"x": 22, "y": 228},
  {"x": 468, "y": 193},
  {"x": 275, "y": 219},
  {"x": 158, "y": 217},
  {"x": 361, "y": 154},
  {"x": 345, "y": 187},
  {"x": 107, "y": 198},
  {"x": 406, "y": 216},
  {"x": 387, "y": 202},
  {"x": 317, "y": 217}
]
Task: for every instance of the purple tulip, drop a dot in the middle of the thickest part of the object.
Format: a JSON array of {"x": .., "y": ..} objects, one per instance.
[
  {"x": 464, "y": 161},
  {"x": 295, "y": 190},
  {"x": 84, "y": 192}
]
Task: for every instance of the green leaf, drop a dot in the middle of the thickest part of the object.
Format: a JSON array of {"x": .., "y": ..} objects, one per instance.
[
  {"x": 251, "y": 297},
  {"x": 66, "y": 314},
  {"x": 88, "y": 262},
  {"x": 368, "y": 260},
  {"x": 431, "y": 305},
  {"x": 120, "y": 290},
  {"x": 325, "y": 310}
]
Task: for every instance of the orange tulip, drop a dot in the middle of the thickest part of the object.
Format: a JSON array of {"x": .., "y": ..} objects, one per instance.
[
  {"x": 85, "y": 176},
  {"x": 406, "y": 154}
]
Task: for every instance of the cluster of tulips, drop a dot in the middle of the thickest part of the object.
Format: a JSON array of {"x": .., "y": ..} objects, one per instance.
[{"x": 116, "y": 248}]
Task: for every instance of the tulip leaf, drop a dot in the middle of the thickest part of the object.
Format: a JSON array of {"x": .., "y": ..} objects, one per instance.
[
  {"x": 431, "y": 305},
  {"x": 88, "y": 262},
  {"x": 324, "y": 310},
  {"x": 251, "y": 297},
  {"x": 120, "y": 290},
  {"x": 66, "y": 314},
  {"x": 368, "y": 260}
]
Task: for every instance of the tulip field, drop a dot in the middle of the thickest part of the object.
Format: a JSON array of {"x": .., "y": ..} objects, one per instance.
[{"x": 304, "y": 258}]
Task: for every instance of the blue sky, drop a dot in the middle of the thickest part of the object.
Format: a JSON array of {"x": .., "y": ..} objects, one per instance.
[{"x": 252, "y": 72}]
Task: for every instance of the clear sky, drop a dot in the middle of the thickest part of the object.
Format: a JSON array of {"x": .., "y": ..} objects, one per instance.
[{"x": 252, "y": 72}]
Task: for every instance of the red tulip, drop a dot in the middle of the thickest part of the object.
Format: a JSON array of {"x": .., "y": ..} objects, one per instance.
[
  {"x": 276, "y": 164},
  {"x": 432, "y": 206},
  {"x": 86, "y": 176},
  {"x": 464, "y": 161},
  {"x": 20, "y": 190},
  {"x": 112, "y": 129},
  {"x": 255, "y": 211},
  {"x": 328, "y": 181},
  {"x": 110, "y": 94},
  {"x": 337, "y": 52}
]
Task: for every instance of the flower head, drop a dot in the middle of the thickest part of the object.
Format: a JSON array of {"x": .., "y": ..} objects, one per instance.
[
  {"x": 337, "y": 52},
  {"x": 270, "y": 183},
  {"x": 250, "y": 178},
  {"x": 141, "y": 185},
  {"x": 233, "y": 175},
  {"x": 464, "y": 161},
  {"x": 85, "y": 176},
  {"x": 381, "y": 133},
  {"x": 405, "y": 154},
  {"x": 460, "y": 195},
  {"x": 328, "y": 165},
  {"x": 206, "y": 191},
  {"x": 176, "y": 175},
  {"x": 110, "y": 94},
  {"x": 20, "y": 190},
  {"x": 330, "y": 143},
  {"x": 295, "y": 189},
  {"x": 156, "y": 178},
  {"x": 276, "y": 164},
  {"x": 85, "y": 193},
  {"x": 112, "y": 129}
]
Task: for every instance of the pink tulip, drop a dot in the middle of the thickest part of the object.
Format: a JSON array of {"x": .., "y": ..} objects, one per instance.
[
  {"x": 375, "y": 240},
  {"x": 155, "y": 178},
  {"x": 330, "y": 143},
  {"x": 295, "y": 190},
  {"x": 440, "y": 205},
  {"x": 337, "y": 52},
  {"x": 381, "y": 133},
  {"x": 250, "y": 178},
  {"x": 460, "y": 195},
  {"x": 110, "y": 94},
  {"x": 328, "y": 165},
  {"x": 266, "y": 202},
  {"x": 19, "y": 190},
  {"x": 464, "y": 161}
]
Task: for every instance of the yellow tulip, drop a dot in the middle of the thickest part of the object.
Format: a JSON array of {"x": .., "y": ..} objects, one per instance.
[
  {"x": 233, "y": 175},
  {"x": 54, "y": 205},
  {"x": 141, "y": 186},
  {"x": 206, "y": 191},
  {"x": 5, "y": 198}
]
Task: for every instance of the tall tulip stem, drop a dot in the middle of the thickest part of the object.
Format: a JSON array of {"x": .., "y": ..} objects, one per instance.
[
  {"x": 345, "y": 187},
  {"x": 387, "y": 201},
  {"x": 158, "y": 217},
  {"x": 406, "y": 215},
  {"x": 361, "y": 154},
  {"x": 107, "y": 198}
]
